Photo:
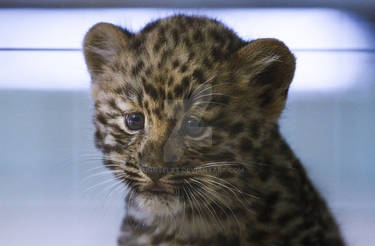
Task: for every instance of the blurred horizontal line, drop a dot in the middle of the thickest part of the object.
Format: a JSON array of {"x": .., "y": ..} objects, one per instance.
[
  {"x": 40, "y": 49},
  {"x": 335, "y": 50},
  {"x": 295, "y": 50}
]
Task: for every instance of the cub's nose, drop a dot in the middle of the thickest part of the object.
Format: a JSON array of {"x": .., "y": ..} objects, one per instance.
[{"x": 154, "y": 173}]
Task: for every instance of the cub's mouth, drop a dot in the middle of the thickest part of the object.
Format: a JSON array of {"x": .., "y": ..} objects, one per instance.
[{"x": 157, "y": 189}]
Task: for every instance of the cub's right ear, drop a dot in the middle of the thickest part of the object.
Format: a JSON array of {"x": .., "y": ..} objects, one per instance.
[{"x": 102, "y": 44}]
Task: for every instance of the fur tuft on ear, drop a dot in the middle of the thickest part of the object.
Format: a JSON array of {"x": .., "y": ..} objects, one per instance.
[
  {"x": 269, "y": 68},
  {"x": 102, "y": 43}
]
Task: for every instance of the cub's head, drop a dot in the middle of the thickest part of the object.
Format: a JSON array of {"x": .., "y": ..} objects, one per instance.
[{"x": 181, "y": 106}]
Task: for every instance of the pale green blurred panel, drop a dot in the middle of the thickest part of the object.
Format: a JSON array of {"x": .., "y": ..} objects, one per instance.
[
  {"x": 39, "y": 139},
  {"x": 334, "y": 135},
  {"x": 47, "y": 155}
]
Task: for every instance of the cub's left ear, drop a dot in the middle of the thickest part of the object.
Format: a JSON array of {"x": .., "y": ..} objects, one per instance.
[{"x": 269, "y": 68}]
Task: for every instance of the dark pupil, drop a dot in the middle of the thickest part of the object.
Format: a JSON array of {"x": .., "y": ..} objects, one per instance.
[
  {"x": 193, "y": 127},
  {"x": 135, "y": 121}
]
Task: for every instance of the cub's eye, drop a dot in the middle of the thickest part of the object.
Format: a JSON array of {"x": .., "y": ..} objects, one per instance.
[
  {"x": 135, "y": 121},
  {"x": 193, "y": 127}
]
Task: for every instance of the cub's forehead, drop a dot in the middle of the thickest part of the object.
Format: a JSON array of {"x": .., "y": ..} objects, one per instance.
[
  {"x": 185, "y": 25},
  {"x": 171, "y": 57},
  {"x": 183, "y": 34}
]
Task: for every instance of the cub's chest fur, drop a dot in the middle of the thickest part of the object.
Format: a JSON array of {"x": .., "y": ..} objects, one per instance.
[{"x": 186, "y": 117}]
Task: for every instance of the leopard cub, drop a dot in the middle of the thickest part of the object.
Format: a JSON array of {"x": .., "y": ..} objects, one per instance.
[{"x": 186, "y": 116}]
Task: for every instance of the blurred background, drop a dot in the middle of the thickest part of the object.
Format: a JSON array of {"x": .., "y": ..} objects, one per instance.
[{"x": 53, "y": 190}]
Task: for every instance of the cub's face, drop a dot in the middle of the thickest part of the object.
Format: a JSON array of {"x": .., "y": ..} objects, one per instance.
[{"x": 179, "y": 107}]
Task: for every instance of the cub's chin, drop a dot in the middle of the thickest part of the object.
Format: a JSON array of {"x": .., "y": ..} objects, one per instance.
[{"x": 158, "y": 204}]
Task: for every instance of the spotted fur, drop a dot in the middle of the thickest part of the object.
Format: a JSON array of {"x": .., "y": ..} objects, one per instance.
[{"x": 237, "y": 184}]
